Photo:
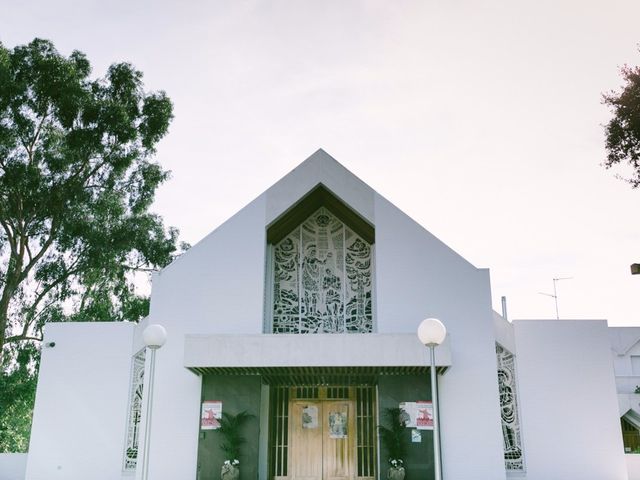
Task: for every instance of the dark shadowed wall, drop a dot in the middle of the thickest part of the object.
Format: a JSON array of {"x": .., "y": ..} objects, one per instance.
[
  {"x": 237, "y": 393},
  {"x": 393, "y": 390}
]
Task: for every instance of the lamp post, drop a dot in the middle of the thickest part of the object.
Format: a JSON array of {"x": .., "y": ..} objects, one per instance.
[
  {"x": 431, "y": 333},
  {"x": 154, "y": 337}
]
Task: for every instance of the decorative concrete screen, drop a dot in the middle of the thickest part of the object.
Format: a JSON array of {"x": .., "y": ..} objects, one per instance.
[
  {"x": 135, "y": 411},
  {"x": 322, "y": 279},
  {"x": 513, "y": 454}
]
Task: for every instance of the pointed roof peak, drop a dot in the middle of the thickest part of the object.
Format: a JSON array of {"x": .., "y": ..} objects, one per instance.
[
  {"x": 320, "y": 168},
  {"x": 322, "y": 157}
]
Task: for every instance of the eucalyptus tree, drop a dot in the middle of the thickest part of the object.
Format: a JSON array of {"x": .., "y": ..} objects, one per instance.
[
  {"x": 623, "y": 130},
  {"x": 77, "y": 178}
]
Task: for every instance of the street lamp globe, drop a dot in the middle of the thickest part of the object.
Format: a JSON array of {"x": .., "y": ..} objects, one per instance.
[
  {"x": 432, "y": 332},
  {"x": 154, "y": 336}
]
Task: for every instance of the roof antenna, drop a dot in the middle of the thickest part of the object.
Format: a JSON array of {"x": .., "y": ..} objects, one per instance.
[{"x": 555, "y": 293}]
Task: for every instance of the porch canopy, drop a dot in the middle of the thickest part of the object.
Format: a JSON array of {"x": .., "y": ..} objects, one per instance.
[{"x": 313, "y": 358}]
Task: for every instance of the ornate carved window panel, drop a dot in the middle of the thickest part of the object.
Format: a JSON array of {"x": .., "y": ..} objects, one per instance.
[
  {"x": 135, "y": 412},
  {"x": 509, "y": 410},
  {"x": 322, "y": 278}
]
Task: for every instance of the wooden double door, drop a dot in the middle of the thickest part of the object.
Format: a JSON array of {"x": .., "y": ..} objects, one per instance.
[{"x": 322, "y": 440}]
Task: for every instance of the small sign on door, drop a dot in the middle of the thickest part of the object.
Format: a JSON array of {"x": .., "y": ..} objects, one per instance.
[
  {"x": 310, "y": 416},
  {"x": 338, "y": 425}
]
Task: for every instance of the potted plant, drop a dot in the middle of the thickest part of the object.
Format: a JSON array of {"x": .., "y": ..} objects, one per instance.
[
  {"x": 393, "y": 439},
  {"x": 232, "y": 440}
]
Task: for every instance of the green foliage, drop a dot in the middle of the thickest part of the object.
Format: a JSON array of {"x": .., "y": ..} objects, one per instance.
[
  {"x": 76, "y": 181},
  {"x": 230, "y": 430},
  {"x": 77, "y": 178},
  {"x": 17, "y": 393},
  {"x": 623, "y": 130},
  {"x": 393, "y": 436}
]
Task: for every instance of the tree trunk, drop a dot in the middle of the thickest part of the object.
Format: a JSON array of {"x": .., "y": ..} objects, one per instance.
[{"x": 10, "y": 286}]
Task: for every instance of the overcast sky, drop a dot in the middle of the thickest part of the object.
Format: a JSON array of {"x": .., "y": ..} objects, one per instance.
[{"x": 482, "y": 120}]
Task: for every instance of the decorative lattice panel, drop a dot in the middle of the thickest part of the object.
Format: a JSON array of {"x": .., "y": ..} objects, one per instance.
[
  {"x": 322, "y": 279},
  {"x": 135, "y": 412},
  {"x": 513, "y": 454}
]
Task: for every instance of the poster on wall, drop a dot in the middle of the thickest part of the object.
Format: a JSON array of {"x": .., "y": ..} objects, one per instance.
[
  {"x": 338, "y": 425},
  {"x": 211, "y": 415},
  {"x": 418, "y": 414},
  {"x": 424, "y": 415},
  {"x": 310, "y": 416}
]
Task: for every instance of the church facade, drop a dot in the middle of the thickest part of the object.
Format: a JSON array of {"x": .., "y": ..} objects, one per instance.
[{"x": 302, "y": 311}]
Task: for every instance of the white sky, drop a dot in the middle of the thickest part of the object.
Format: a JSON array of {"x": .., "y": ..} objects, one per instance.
[{"x": 480, "y": 119}]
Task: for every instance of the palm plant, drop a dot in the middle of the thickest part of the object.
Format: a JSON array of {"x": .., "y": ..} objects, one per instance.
[
  {"x": 230, "y": 430},
  {"x": 392, "y": 436}
]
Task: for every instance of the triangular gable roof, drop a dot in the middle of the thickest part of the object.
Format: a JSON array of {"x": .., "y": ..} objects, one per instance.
[
  {"x": 632, "y": 417},
  {"x": 624, "y": 339},
  {"x": 321, "y": 169}
]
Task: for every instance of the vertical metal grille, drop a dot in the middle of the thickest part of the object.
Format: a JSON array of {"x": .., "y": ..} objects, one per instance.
[
  {"x": 338, "y": 393},
  {"x": 279, "y": 431},
  {"x": 366, "y": 431},
  {"x": 307, "y": 393},
  {"x": 366, "y": 438}
]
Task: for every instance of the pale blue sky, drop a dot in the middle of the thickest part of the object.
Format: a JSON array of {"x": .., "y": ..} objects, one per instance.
[{"x": 481, "y": 120}]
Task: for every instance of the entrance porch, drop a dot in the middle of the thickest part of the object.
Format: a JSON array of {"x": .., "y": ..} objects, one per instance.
[{"x": 315, "y": 422}]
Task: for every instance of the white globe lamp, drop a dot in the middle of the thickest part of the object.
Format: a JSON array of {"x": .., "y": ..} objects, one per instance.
[
  {"x": 154, "y": 336},
  {"x": 432, "y": 331}
]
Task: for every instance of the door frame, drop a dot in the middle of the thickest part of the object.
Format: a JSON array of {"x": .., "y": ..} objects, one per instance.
[{"x": 362, "y": 428}]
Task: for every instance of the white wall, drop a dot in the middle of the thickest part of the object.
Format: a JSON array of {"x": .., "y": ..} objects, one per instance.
[
  {"x": 79, "y": 420},
  {"x": 570, "y": 423},
  {"x": 218, "y": 287},
  {"x": 633, "y": 465},
  {"x": 320, "y": 350},
  {"x": 417, "y": 277},
  {"x": 13, "y": 466}
]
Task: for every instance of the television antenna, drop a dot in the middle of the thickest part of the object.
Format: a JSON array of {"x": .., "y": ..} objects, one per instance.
[{"x": 555, "y": 293}]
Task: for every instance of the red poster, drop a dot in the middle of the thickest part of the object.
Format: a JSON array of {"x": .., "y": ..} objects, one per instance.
[
  {"x": 211, "y": 414},
  {"x": 424, "y": 415}
]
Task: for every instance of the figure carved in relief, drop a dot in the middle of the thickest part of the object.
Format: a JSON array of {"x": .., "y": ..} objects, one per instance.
[{"x": 322, "y": 279}]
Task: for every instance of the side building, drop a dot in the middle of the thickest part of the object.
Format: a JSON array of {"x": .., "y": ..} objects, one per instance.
[{"x": 302, "y": 310}]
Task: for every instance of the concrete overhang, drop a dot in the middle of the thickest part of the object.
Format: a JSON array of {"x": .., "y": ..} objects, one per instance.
[{"x": 314, "y": 354}]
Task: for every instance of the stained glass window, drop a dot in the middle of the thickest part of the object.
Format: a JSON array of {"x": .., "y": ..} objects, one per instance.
[
  {"x": 322, "y": 277},
  {"x": 135, "y": 412},
  {"x": 512, "y": 440}
]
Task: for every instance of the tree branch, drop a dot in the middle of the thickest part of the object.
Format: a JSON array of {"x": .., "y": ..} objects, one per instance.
[
  {"x": 18, "y": 338},
  {"x": 37, "y": 135},
  {"x": 10, "y": 236},
  {"x": 52, "y": 285},
  {"x": 43, "y": 250}
]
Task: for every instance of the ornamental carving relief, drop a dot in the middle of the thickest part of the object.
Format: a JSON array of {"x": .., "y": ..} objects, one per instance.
[
  {"x": 322, "y": 279},
  {"x": 135, "y": 412},
  {"x": 512, "y": 441}
]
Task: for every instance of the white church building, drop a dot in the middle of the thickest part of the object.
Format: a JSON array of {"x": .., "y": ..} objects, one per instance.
[{"x": 308, "y": 300}]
